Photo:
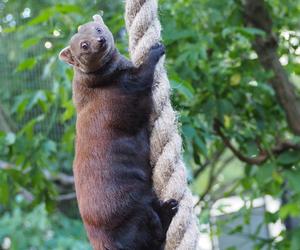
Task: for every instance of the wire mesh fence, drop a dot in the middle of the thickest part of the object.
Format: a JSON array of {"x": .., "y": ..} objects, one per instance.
[{"x": 16, "y": 83}]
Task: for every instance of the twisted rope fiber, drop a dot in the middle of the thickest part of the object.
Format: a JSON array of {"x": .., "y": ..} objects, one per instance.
[{"x": 169, "y": 176}]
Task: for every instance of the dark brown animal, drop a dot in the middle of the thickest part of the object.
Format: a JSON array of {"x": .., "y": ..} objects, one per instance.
[{"x": 111, "y": 167}]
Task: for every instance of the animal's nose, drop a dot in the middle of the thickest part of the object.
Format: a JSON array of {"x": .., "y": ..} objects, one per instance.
[{"x": 101, "y": 40}]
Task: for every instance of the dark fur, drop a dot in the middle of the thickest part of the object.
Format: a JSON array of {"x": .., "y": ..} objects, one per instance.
[{"x": 111, "y": 168}]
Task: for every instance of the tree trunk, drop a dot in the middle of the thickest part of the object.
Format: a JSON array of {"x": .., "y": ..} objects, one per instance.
[{"x": 257, "y": 16}]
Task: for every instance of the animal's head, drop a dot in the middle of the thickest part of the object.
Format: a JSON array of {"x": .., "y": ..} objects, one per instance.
[{"x": 91, "y": 47}]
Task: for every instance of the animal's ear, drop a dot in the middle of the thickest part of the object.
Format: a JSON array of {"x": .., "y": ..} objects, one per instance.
[
  {"x": 97, "y": 18},
  {"x": 66, "y": 56}
]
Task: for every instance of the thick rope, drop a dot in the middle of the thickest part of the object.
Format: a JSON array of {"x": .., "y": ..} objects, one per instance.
[{"x": 169, "y": 176}]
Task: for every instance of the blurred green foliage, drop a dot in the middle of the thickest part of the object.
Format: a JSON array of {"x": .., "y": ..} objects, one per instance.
[
  {"x": 214, "y": 73},
  {"x": 37, "y": 230}
]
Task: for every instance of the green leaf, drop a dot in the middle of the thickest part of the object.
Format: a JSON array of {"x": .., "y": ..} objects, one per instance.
[
  {"x": 69, "y": 111},
  {"x": 68, "y": 8},
  {"x": 235, "y": 79},
  {"x": 4, "y": 189},
  {"x": 237, "y": 229},
  {"x": 27, "y": 64},
  {"x": 28, "y": 129},
  {"x": 49, "y": 146},
  {"x": 245, "y": 31},
  {"x": 293, "y": 178},
  {"x": 172, "y": 35},
  {"x": 264, "y": 174},
  {"x": 42, "y": 17},
  {"x": 183, "y": 88},
  {"x": 271, "y": 217},
  {"x": 251, "y": 31},
  {"x": 30, "y": 42},
  {"x": 38, "y": 98},
  {"x": 291, "y": 209},
  {"x": 225, "y": 107},
  {"x": 295, "y": 239},
  {"x": 288, "y": 158},
  {"x": 227, "y": 31}
]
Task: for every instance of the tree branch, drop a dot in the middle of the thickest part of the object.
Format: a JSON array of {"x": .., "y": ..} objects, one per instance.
[
  {"x": 227, "y": 188},
  {"x": 213, "y": 175},
  {"x": 61, "y": 178},
  {"x": 215, "y": 157},
  {"x": 66, "y": 197},
  {"x": 263, "y": 155},
  {"x": 256, "y": 15}
]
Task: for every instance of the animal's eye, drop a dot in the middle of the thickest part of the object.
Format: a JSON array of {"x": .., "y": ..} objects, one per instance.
[
  {"x": 98, "y": 30},
  {"x": 84, "y": 45}
]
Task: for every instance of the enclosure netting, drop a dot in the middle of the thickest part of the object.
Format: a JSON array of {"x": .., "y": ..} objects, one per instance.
[{"x": 16, "y": 85}]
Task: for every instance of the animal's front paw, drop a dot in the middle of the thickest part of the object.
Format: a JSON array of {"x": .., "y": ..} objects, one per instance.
[{"x": 158, "y": 49}]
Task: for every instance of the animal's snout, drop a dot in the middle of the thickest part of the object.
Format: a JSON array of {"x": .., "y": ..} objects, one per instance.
[{"x": 101, "y": 40}]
